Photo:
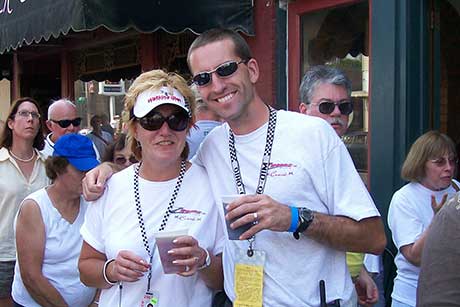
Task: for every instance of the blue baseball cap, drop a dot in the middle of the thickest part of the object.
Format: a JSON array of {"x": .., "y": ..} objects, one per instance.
[{"x": 78, "y": 150}]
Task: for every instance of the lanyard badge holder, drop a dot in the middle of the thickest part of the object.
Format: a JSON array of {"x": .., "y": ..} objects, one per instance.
[
  {"x": 152, "y": 297},
  {"x": 249, "y": 267}
]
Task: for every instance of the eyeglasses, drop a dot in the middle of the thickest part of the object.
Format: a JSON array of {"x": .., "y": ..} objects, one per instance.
[
  {"x": 26, "y": 114},
  {"x": 328, "y": 106},
  {"x": 64, "y": 123},
  {"x": 154, "y": 121},
  {"x": 223, "y": 70},
  {"x": 441, "y": 162},
  {"x": 121, "y": 160}
]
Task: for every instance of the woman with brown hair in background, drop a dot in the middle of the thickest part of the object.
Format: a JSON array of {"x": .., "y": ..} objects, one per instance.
[{"x": 23, "y": 172}]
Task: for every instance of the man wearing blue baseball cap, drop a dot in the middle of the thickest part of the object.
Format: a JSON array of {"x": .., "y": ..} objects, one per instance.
[{"x": 50, "y": 220}]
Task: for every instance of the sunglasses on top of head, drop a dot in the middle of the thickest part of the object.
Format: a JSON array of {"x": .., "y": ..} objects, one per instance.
[
  {"x": 64, "y": 123},
  {"x": 328, "y": 106},
  {"x": 223, "y": 70},
  {"x": 154, "y": 120}
]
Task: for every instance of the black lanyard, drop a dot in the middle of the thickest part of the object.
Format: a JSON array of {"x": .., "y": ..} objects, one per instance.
[
  {"x": 263, "y": 168},
  {"x": 165, "y": 216}
]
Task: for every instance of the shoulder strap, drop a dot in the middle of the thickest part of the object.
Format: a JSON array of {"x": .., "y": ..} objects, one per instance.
[{"x": 455, "y": 186}]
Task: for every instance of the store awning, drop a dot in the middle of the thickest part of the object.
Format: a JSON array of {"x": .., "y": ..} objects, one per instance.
[{"x": 31, "y": 21}]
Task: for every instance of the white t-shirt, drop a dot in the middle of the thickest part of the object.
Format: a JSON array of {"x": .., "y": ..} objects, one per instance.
[
  {"x": 372, "y": 263},
  {"x": 409, "y": 215},
  {"x": 310, "y": 167},
  {"x": 60, "y": 260},
  {"x": 112, "y": 225}
]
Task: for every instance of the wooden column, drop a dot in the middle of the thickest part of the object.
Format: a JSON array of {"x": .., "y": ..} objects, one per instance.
[
  {"x": 148, "y": 52},
  {"x": 16, "y": 82},
  {"x": 67, "y": 86}
]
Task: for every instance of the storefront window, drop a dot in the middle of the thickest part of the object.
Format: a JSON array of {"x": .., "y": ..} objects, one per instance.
[{"x": 339, "y": 37}]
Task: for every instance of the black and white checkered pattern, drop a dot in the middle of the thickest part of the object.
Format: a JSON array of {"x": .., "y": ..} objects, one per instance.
[
  {"x": 168, "y": 210},
  {"x": 263, "y": 168},
  {"x": 265, "y": 160}
]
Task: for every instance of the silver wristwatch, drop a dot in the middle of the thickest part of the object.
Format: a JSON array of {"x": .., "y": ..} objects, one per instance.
[{"x": 207, "y": 261}]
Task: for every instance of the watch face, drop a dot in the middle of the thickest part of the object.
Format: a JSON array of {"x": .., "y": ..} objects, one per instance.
[{"x": 306, "y": 214}]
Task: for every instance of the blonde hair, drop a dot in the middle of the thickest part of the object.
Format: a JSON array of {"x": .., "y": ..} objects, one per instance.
[
  {"x": 430, "y": 145},
  {"x": 154, "y": 80}
]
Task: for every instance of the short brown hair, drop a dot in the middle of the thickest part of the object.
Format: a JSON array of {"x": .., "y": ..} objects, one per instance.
[
  {"x": 430, "y": 145},
  {"x": 241, "y": 47},
  {"x": 154, "y": 80},
  {"x": 55, "y": 166},
  {"x": 6, "y": 139}
]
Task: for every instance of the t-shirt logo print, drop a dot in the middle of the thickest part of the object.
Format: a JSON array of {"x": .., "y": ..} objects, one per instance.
[
  {"x": 281, "y": 169},
  {"x": 184, "y": 214}
]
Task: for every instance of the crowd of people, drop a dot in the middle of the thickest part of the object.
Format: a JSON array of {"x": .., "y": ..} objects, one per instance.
[{"x": 152, "y": 229}]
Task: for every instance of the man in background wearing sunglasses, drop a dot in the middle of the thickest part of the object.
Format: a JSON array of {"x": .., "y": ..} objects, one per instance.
[
  {"x": 325, "y": 92},
  {"x": 62, "y": 119}
]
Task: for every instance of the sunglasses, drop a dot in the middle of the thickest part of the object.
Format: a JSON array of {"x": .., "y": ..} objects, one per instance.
[
  {"x": 223, "y": 70},
  {"x": 122, "y": 160},
  {"x": 64, "y": 123},
  {"x": 154, "y": 121},
  {"x": 328, "y": 106}
]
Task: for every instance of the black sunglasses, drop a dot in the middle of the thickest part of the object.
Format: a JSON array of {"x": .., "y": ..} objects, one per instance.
[
  {"x": 327, "y": 107},
  {"x": 223, "y": 70},
  {"x": 64, "y": 123},
  {"x": 154, "y": 121}
]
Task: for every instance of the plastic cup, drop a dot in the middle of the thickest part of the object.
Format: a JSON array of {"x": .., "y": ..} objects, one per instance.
[
  {"x": 164, "y": 241},
  {"x": 233, "y": 234}
]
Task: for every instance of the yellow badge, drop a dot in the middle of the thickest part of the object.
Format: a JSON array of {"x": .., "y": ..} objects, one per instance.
[{"x": 249, "y": 281}]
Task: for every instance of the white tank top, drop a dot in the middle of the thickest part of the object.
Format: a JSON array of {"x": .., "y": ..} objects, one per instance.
[{"x": 60, "y": 261}]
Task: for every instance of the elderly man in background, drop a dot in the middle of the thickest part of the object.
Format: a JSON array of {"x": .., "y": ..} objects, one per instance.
[
  {"x": 62, "y": 119},
  {"x": 326, "y": 93}
]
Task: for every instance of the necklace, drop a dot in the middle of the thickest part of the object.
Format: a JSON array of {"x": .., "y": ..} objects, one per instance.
[{"x": 22, "y": 160}]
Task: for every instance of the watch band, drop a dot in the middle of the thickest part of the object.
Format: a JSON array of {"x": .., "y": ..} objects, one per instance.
[
  {"x": 207, "y": 261},
  {"x": 305, "y": 218}
]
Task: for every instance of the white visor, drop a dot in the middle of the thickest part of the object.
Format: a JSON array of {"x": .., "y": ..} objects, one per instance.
[{"x": 149, "y": 100}]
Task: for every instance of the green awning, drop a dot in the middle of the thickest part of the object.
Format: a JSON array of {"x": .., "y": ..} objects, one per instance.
[{"x": 28, "y": 21}]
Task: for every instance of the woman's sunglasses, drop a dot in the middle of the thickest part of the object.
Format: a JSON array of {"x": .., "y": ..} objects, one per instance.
[
  {"x": 121, "y": 160},
  {"x": 223, "y": 70},
  {"x": 154, "y": 121},
  {"x": 64, "y": 123},
  {"x": 327, "y": 107}
]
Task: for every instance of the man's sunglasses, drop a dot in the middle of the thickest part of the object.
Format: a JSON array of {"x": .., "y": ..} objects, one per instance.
[
  {"x": 223, "y": 70},
  {"x": 154, "y": 121},
  {"x": 327, "y": 107},
  {"x": 64, "y": 123}
]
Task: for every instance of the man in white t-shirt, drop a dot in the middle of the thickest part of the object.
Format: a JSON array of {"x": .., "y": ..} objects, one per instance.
[
  {"x": 313, "y": 206},
  {"x": 312, "y": 187},
  {"x": 325, "y": 92}
]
